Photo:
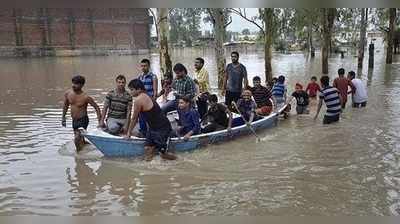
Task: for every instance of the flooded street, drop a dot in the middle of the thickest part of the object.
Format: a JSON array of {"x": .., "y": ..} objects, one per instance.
[{"x": 300, "y": 168}]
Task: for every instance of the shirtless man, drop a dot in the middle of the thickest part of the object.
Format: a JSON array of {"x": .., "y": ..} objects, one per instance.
[
  {"x": 78, "y": 101},
  {"x": 159, "y": 127}
]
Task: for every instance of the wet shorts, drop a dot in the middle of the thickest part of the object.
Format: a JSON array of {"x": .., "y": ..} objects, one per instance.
[
  {"x": 82, "y": 122},
  {"x": 157, "y": 138},
  {"x": 302, "y": 109},
  {"x": 331, "y": 119},
  {"x": 357, "y": 105}
]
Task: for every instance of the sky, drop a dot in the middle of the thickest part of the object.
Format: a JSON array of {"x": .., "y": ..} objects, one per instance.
[{"x": 237, "y": 25}]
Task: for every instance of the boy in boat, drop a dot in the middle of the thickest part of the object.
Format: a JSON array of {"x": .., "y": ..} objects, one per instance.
[
  {"x": 217, "y": 116},
  {"x": 247, "y": 107},
  {"x": 189, "y": 119},
  {"x": 159, "y": 128},
  {"x": 341, "y": 83},
  {"x": 301, "y": 98},
  {"x": 166, "y": 94},
  {"x": 330, "y": 95},
  {"x": 117, "y": 107},
  {"x": 313, "y": 88},
  {"x": 78, "y": 100},
  {"x": 262, "y": 96}
]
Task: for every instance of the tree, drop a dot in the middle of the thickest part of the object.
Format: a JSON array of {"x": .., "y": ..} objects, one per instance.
[
  {"x": 162, "y": 25},
  {"x": 389, "y": 49},
  {"x": 328, "y": 18},
  {"x": 361, "y": 45},
  {"x": 218, "y": 17}
]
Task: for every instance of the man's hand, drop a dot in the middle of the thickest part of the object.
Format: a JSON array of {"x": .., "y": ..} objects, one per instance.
[
  {"x": 64, "y": 122},
  {"x": 102, "y": 124},
  {"x": 229, "y": 129},
  {"x": 124, "y": 130},
  {"x": 186, "y": 137},
  {"x": 127, "y": 136},
  {"x": 248, "y": 124},
  {"x": 223, "y": 92}
]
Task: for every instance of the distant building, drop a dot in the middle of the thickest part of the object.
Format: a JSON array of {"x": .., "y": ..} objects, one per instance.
[{"x": 75, "y": 31}]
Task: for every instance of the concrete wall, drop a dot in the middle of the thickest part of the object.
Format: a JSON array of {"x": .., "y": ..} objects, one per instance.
[{"x": 72, "y": 32}]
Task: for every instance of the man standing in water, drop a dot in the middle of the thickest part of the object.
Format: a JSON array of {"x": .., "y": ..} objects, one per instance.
[
  {"x": 235, "y": 75},
  {"x": 360, "y": 95},
  {"x": 117, "y": 107},
  {"x": 330, "y": 95},
  {"x": 159, "y": 126},
  {"x": 342, "y": 84},
  {"x": 78, "y": 101}
]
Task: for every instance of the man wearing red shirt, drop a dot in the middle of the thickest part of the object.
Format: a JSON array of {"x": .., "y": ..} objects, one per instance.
[{"x": 342, "y": 83}]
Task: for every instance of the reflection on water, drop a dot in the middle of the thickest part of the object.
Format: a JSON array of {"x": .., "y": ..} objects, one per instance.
[{"x": 301, "y": 168}]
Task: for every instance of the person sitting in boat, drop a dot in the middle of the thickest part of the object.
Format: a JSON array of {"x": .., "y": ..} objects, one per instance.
[
  {"x": 159, "y": 127},
  {"x": 247, "y": 107},
  {"x": 217, "y": 116},
  {"x": 117, "y": 107},
  {"x": 182, "y": 85},
  {"x": 262, "y": 97},
  {"x": 166, "y": 93},
  {"x": 189, "y": 118}
]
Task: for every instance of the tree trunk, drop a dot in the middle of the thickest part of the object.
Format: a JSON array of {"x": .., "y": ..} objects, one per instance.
[
  {"x": 165, "y": 59},
  {"x": 361, "y": 44},
  {"x": 389, "y": 50},
  {"x": 268, "y": 22},
  {"x": 219, "y": 36},
  {"x": 328, "y": 17}
]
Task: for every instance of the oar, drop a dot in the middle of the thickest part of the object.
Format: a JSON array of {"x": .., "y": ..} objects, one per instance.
[{"x": 249, "y": 126}]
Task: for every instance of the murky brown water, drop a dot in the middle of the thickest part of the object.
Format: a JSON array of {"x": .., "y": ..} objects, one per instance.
[{"x": 301, "y": 167}]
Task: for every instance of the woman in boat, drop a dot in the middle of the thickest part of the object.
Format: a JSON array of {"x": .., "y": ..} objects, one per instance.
[
  {"x": 189, "y": 119},
  {"x": 159, "y": 127},
  {"x": 217, "y": 116}
]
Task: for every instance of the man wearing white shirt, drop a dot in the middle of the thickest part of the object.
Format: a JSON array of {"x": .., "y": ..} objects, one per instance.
[{"x": 360, "y": 95}]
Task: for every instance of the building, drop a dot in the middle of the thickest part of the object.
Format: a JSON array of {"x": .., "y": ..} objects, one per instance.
[{"x": 69, "y": 32}]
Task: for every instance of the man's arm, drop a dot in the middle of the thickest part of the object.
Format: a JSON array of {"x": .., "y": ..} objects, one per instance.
[
  {"x": 190, "y": 90},
  {"x": 353, "y": 88},
  {"x": 104, "y": 111},
  {"x": 230, "y": 118},
  {"x": 246, "y": 81},
  {"x": 96, "y": 107},
  {"x": 137, "y": 107},
  {"x": 318, "y": 108},
  {"x": 65, "y": 109},
  {"x": 128, "y": 116},
  {"x": 224, "y": 83},
  {"x": 155, "y": 87}
]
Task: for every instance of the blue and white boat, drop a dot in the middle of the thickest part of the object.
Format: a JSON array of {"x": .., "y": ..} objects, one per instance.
[{"x": 116, "y": 146}]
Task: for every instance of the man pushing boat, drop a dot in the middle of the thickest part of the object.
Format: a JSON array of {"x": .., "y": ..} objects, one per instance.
[{"x": 159, "y": 127}]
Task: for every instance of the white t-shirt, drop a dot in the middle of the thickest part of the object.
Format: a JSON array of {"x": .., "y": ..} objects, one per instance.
[{"x": 360, "y": 95}]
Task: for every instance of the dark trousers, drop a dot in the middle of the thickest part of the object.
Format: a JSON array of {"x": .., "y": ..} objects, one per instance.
[
  {"x": 231, "y": 97},
  {"x": 202, "y": 106},
  {"x": 330, "y": 119}
]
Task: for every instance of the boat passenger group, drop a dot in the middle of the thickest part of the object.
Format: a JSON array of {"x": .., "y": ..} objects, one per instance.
[{"x": 195, "y": 105}]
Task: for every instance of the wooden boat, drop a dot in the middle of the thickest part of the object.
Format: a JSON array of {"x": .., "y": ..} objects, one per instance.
[{"x": 116, "y": 146}]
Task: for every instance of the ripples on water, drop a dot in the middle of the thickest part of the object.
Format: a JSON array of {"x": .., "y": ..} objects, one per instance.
[{"x": 300, "y": 168}]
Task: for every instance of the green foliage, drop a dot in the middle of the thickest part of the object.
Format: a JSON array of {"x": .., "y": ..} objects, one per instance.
[{"x": 185, "y": 25}]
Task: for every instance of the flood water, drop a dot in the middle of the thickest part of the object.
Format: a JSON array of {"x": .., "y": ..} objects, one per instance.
[{"x": 300, "y": 168}]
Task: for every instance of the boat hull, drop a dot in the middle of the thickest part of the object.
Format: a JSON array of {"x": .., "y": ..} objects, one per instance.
[{"x": 115, "y": 146}]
